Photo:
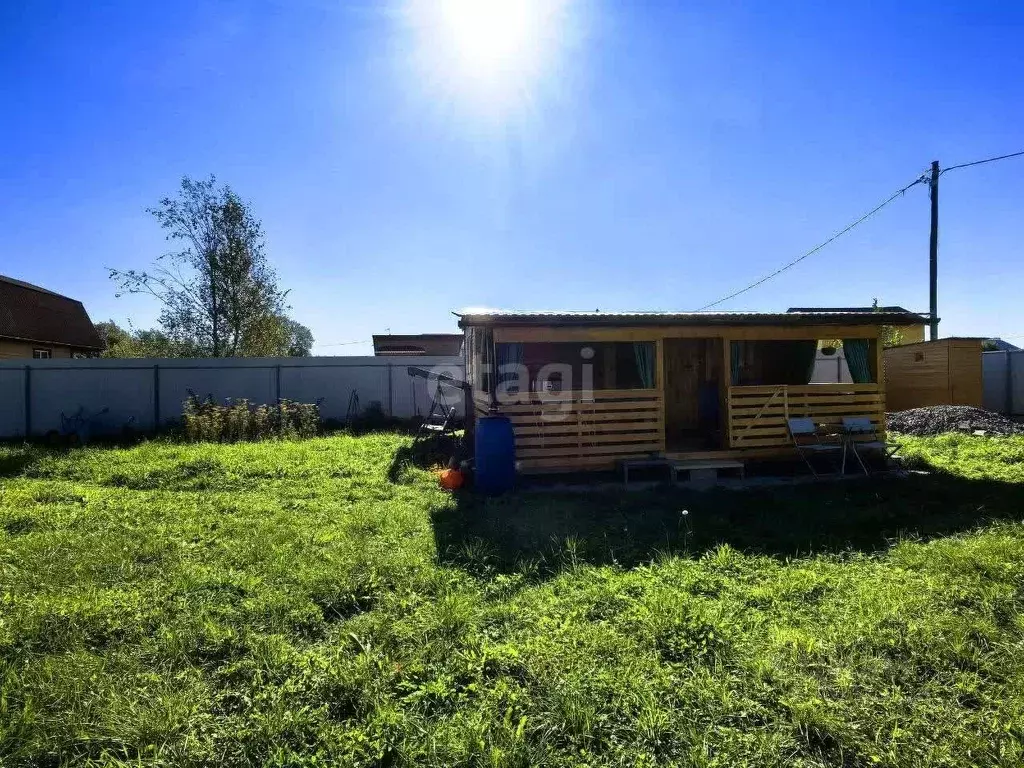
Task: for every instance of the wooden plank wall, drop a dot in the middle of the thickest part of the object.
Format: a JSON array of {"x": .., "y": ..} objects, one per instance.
[
  {"x": 568, "y": 431},
  {"x": 757, "y": 415},
  {"x": 527, "y": 334},
  {"x": 965, "y": 372},
  {"x": 942, "y": 372},
  {"x": 18, "y": 349}
]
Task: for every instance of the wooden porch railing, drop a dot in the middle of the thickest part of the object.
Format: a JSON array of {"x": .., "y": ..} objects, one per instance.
[
  {"x": 576, "y": 430},
  {"x": 757, "y": 415}
]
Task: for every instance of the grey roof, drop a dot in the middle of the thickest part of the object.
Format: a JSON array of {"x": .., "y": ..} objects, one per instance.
[
  {"x": 1001, "y": 345},
  {"x": 893, "y": 308},
  {"x": 867, "y": 316}
]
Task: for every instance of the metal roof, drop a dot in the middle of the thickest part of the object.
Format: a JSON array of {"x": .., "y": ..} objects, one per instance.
[
  {"x": 559, "y": 317},
  {"x": 892, "y": 308}
]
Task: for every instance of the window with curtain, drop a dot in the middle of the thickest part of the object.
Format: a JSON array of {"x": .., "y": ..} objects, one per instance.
[
  {"x": 772, "y": 362},
  {"x": 510, "y": 362},
  {"x": 643, "y": 356},
  {"x": 483, "y": 353},
  {"x": 627, "y": 373},
  {"x": 860, "y": 360},
  {"x": 606, "y": 365}
]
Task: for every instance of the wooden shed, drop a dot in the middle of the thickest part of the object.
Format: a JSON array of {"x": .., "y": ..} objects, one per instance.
[
  {"x": 586, "y": 390},
  {"x": 941, "y": 372}
]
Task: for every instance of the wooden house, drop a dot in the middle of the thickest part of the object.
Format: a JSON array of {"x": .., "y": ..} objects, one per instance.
[
  {"x": 37, "y": 323},
  {"x": 586, "y": 390}
]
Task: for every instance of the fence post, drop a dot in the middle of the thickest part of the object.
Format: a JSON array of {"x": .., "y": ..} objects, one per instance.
[
  {"x": 277, "y": 382},
  {"x": 1008, "y": 395},
  {"x": 28, "y": 401},
  {"x": 156, "y": 398},
  {"x": 391, "y": 393}
]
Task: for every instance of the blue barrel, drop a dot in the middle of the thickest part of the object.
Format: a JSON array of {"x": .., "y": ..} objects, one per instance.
[{"x": 495, "y": 453}]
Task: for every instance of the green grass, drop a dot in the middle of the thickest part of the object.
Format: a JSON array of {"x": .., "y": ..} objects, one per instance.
[
  {"x": 293, "y": 603},
  {"x": 992, "y": 458}
]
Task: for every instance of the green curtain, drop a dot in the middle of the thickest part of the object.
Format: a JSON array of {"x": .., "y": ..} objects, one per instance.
[
  {"x": 643, "y": 352},
  {"x": 804, "y": 353},
  {"x": 856, "y": 351},
  {"x": 735, "y": 356}
]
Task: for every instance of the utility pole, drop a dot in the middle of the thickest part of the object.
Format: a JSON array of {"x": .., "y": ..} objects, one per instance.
[{"x": 933, "y": 256}]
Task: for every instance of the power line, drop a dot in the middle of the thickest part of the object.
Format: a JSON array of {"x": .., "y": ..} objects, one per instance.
[
  {"x": 981, "y": 162},
  {"x": 836, "y": 236},
  {"x": 344, "y": 343}
]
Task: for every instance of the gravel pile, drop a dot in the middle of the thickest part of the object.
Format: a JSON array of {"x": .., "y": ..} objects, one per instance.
[{"x": 936, "y": 419}]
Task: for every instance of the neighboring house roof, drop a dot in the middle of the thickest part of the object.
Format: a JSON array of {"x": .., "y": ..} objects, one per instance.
[
  {"x": 448, "y": 344},
  {"x": 857, "y": 309},
  {"x": 1000, "y": 345},
  {"x": 31, "y": 313},
  {"x": 978, "y": 339},
  {"x": 859, "y": 316}
]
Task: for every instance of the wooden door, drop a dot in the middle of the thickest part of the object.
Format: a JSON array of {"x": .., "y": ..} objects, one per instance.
[
  {"x": 693, "y": 381},
  {"x": 683, "y": 363}
]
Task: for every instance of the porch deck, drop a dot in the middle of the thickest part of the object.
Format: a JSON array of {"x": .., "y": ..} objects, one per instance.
[{"x": 565, "y": 431}]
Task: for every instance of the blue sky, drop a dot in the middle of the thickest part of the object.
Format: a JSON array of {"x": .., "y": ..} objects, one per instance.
[{"x": 659, "y": 156}]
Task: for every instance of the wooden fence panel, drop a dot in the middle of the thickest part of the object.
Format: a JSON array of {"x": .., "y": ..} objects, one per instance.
[
  {"x": 594, "y": 430},
  {"x": 942, "y": 372},
  {"x": 757, "y": 415}
]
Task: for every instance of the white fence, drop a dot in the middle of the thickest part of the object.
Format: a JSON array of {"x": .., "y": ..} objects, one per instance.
[
  {"x": 1003, "y": 382},
  {"x": 149, "y": 392}
]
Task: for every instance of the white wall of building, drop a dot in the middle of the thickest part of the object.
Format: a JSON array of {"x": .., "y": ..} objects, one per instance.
[{"x": 831, "y": 369}]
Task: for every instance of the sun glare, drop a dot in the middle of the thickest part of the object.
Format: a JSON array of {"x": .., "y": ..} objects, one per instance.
[
  {"x": 493, "y": 39},
  {"x": 493, "y": 52}
]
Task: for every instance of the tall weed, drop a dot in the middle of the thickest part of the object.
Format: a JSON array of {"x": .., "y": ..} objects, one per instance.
[{"x": 239, "y": 420}]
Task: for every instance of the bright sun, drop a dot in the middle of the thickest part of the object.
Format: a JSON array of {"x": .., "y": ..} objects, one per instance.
[{"x": 494, "y": 52}]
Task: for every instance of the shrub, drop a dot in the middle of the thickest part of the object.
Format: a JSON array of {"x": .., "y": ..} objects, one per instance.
[{"x": 239, "y": 420}]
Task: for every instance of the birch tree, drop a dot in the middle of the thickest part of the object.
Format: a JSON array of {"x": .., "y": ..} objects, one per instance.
[{"x": 218, "y": 294}]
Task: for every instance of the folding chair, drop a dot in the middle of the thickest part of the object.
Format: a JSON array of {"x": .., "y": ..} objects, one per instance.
[
  {"x": 861, "y": 426},
  {"x": 807, "y": 439}
]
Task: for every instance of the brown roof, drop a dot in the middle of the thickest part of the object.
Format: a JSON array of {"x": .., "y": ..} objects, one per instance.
[
  {"x": 31, "y": 313},
  {"x": 449, "y": 344}
]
